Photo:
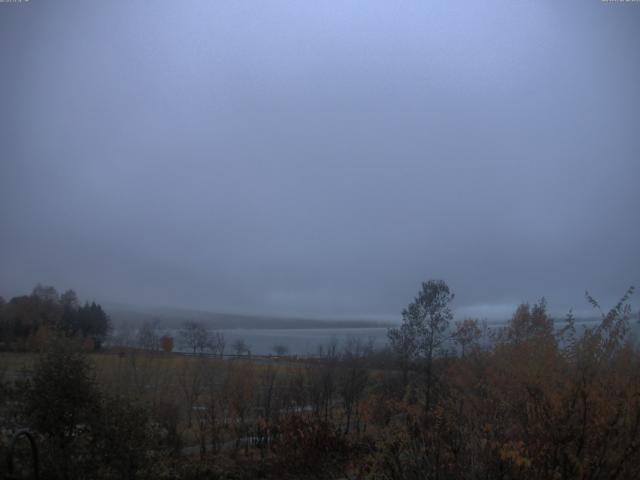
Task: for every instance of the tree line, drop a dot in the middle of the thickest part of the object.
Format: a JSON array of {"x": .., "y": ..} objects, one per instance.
[
  {"x": 535, "y": 398},
  {"x": 27, "y": 321}
]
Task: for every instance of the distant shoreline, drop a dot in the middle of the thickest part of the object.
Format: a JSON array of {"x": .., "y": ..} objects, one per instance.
[{"x": 174, "y": 318}]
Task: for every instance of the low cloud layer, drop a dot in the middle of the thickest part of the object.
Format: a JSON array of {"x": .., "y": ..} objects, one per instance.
[{"x": 320, "y": 159}]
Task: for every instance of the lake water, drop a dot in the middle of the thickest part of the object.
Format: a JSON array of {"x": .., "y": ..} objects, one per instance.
[
  {"x": 305, "y": 341},
  {"x": 299, "y": 341}
]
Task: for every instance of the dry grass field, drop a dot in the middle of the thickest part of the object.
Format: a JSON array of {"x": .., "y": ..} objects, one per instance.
[{"x": 182, "y": 383}]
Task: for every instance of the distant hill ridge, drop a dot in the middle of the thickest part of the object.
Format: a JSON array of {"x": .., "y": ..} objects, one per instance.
[{"x": 174, "y": 317}]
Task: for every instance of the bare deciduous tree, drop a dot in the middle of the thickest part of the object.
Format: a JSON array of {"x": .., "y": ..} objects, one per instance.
[
  {"x": 217, "y": 343},
  {"x": 240, "y": 347},
  {"x": 148, "y": 337},
  {"x": 280, "y": 349},
  {"x": 195, "y": 336}
]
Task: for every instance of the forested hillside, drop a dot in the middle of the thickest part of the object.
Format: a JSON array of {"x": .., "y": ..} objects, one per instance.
[{"x": 27, "y": 321}]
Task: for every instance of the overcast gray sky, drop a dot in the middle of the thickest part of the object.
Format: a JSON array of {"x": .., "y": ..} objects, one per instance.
[{"x": 320, "y": 158}]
